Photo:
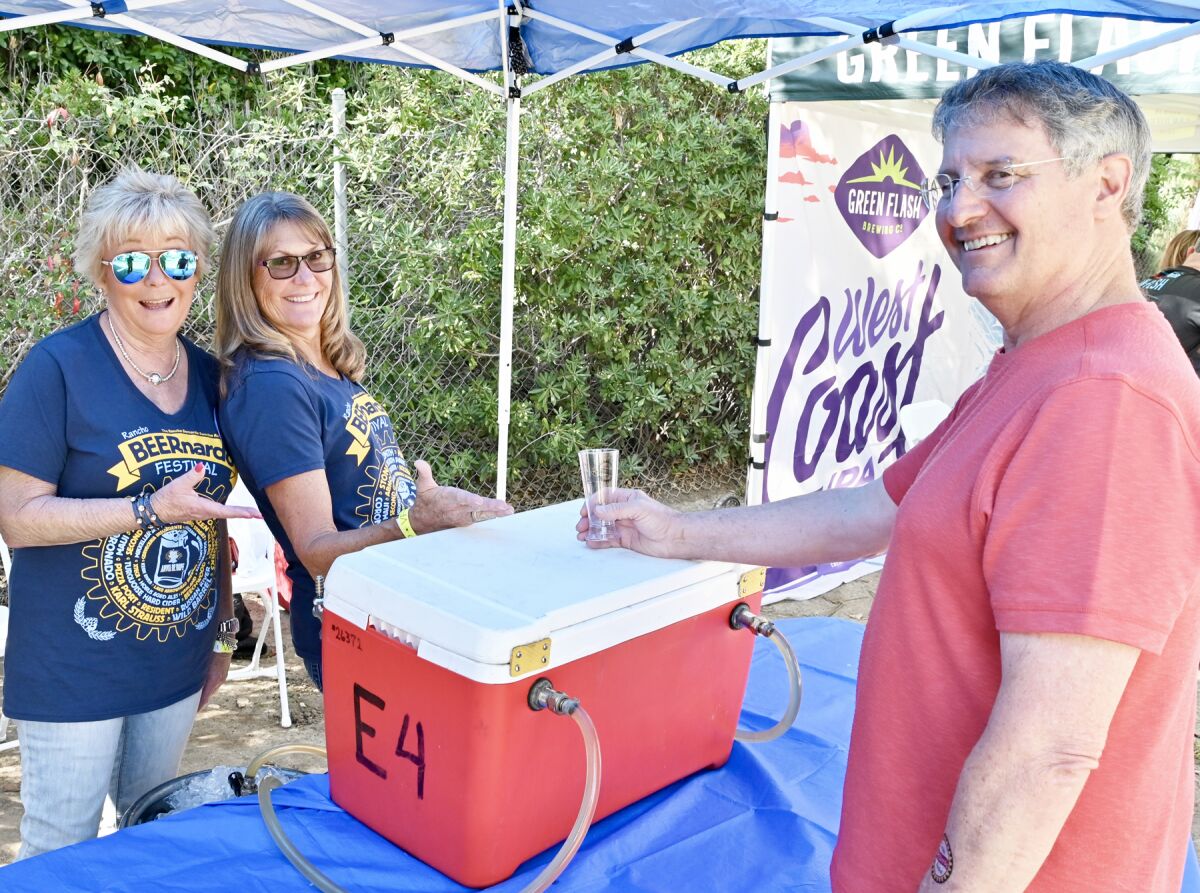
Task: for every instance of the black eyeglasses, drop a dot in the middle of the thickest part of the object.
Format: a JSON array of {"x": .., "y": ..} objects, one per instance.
[
  {"x": 286, "y": 266},
  {"x": 133, "y": 266}
]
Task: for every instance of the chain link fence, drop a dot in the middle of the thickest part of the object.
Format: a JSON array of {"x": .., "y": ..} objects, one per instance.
[{"x": 424, "y": 225}]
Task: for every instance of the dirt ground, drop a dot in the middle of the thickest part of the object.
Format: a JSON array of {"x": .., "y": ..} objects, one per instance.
[{"x": 242, "y": 721}]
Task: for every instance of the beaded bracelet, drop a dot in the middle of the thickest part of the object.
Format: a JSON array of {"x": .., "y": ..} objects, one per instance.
[{"x": 144, "y": 514}]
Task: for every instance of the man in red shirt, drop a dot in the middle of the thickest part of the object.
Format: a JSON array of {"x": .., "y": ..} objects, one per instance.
[{"x": 1027, "y": 683}]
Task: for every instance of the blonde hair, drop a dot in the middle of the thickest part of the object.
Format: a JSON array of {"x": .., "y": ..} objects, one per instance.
[
  {"x": 139, "y": 204},
  {"x": 241, "y": 326},
  {"x": 1177, "y": 249}
]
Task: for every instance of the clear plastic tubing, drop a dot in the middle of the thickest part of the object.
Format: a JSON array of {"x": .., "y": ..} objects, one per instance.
[
  {"x": 282, "y": 750},
  {"x": 293, "y": 855},
  {"x": 793, "y": 707},
  {"x": 587, "y": 809},
  {"x": 570, "y": 846},
  {"x": 274, "y": 828}
]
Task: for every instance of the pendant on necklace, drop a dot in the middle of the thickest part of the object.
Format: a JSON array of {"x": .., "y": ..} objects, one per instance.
[{"x": 154, "y": 378}]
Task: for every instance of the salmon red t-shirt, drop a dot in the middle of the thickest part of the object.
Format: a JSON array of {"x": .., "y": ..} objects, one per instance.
[{"x": 1062, "y": 495}]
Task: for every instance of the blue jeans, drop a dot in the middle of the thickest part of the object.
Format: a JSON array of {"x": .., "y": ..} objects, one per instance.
[
  {"x": 313, "y": 666},
  {"x": 67, "y": 768}
]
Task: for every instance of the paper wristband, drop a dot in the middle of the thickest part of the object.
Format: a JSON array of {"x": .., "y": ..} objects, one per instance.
[{"x": 405, "y": 525}]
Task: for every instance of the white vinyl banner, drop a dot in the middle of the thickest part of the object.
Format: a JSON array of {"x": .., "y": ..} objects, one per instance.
[{"x": 864, "y": 311}]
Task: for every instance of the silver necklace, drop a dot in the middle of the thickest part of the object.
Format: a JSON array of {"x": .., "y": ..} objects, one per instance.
[{"x": 153, "y": 377}]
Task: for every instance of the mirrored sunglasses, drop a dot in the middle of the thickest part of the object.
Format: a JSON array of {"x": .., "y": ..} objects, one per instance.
[
  {"x": 133, "y": 266},
  {"x": 286, "y": 266}
]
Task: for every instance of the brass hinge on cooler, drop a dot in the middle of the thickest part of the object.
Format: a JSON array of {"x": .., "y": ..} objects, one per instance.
[
  {"x": 527, "y": 658},
  {"x": 752, "y": 582}
]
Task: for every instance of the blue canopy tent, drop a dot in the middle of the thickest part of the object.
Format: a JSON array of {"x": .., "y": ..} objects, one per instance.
[{"x": 534, "y": 45}]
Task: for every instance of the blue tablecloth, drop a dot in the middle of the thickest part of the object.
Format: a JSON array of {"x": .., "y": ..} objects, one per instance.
[{"x": 767, "y": 821}]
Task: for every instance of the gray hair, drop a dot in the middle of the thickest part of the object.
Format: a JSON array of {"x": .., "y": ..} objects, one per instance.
[
  {"x": 139, "y": 204},
  {"x": 1084, "y": 116}
]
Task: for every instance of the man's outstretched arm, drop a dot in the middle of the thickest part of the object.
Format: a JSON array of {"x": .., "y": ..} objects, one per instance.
[{"x": 830, "y": 525}]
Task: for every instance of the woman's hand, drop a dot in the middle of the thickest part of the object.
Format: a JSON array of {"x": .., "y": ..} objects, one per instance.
[
  {"x": 438, "y": 508},
  {"x": 178, "y": 502}
]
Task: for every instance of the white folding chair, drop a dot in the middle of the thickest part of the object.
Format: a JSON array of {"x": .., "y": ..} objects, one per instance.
[
  {"x": 5, "y": 744},
  {"x": 255, "y": 575}
]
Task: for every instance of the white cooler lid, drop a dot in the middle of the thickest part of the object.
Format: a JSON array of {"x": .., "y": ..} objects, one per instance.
[{"x": 465, "y": 598}]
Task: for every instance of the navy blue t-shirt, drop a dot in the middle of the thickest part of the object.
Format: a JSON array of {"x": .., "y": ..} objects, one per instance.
[
  {"x": 280, "y": 420},
  {"x": 123, "y": 624}
]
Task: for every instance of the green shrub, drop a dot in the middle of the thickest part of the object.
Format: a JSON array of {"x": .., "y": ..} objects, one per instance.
[{"x": 637, "y": 254}]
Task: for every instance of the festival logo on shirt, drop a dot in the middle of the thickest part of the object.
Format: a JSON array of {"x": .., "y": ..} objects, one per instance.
[
  {"x": 167, "y": 453},
  {"x": 363, "y": 415},
  {"x": 156, "y": 583},
  {"x": 153, "y": 582},
  {"x": 390, "y": 487}
]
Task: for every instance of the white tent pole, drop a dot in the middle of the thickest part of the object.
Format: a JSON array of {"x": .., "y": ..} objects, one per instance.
[
  {"x": 366, "y": 30},
  {"x": 599, "y": 36},
  {"x": 908, "y": 23},
  {"x": 461, "y": 73},
  {"x": 686, "y": 67},
  {"x": 371, "y": 37},
  {"x": 175, "y": 40},
  {"x": 508, "y": 271},
  {"x": 330, "y": 16},
  {"x": 949, "y": 55},
  {"x": 592, "y": 61},
  {"x": 649, "y": 55},
  {"x": 399, "y": 46},
  {"x": 149, "y": 30},
  {"x": 313, "y": 55},
  {"x": 766, "y": 305},
  {"x": 569, "y": 71},
  {"x": 72, "y": 14},
  {"x": 339, "y": 194},
  {"x": 1150, "y": 43},
  {"x": 508, "y": 266},
  {"x": 809, "y": 58},
  {"x": 925, "y": 49},
  {"x": 611, "y": 52}
]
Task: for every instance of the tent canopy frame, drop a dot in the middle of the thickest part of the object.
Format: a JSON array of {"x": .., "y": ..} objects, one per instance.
[{"x": 511, "y": 16}]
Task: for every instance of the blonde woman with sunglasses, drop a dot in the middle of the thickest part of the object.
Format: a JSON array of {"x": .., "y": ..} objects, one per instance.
[
  {"x": 112, "y": 478},
  {"x": 319, "y": 454}
]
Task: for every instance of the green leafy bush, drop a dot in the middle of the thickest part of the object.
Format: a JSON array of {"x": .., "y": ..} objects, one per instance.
[{"x": 637, "y": 254}]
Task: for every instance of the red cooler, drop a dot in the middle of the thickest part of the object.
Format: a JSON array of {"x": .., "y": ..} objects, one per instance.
[{"x": 431, "y": 646}]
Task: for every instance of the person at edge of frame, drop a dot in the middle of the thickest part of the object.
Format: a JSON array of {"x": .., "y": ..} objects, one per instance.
[{"x": 1176, "y": 291}]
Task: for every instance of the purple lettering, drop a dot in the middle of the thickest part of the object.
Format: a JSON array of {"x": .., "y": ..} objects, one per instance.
[{"x": 865, "y": 407}]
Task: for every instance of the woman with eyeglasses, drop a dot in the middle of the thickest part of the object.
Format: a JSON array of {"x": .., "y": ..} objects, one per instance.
[
  {"x": 318, "y": 453},
  {"x": 112, "y": 478}
]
